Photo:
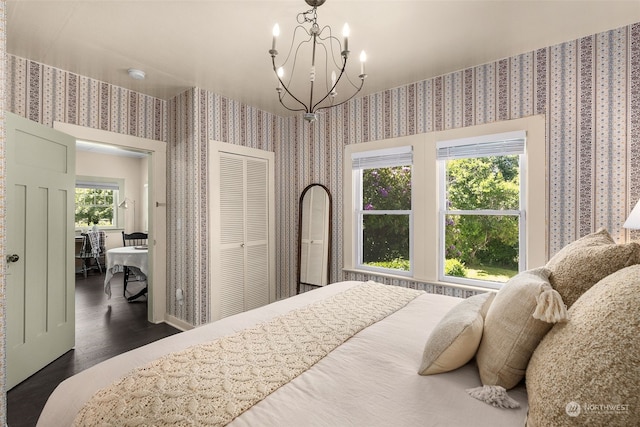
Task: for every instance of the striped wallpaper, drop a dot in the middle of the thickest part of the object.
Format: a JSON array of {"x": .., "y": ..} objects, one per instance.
[
  {"x": 45, "y": 94},
  {"x": 587, "y": 89},
  {"x": 198, "y": 117}
]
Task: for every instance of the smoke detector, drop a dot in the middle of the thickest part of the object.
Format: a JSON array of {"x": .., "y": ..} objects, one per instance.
[{"x": 136, "y": 74}]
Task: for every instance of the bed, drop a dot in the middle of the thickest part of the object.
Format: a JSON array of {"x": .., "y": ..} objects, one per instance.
[
  {"x": 367, "y": 354},
  {"x": 370, "y": 379}
]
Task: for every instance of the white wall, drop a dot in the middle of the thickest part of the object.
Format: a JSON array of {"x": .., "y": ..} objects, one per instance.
[{"x": 134, "y": 171}]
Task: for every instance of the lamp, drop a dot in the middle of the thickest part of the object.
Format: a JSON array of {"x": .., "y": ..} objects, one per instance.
[
  {"x": 330, "y": 74},
  {"x": 633, "y": 220},
  {"x": 125, "y": 205}
]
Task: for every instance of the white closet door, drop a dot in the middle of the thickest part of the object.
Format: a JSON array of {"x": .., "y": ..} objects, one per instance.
[
  {"x": 232, "y": 232},
  {"x": 257, "y": 243},
  {"x": 242, "y": 274}
]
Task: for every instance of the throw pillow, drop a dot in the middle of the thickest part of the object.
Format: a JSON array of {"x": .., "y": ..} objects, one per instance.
[
  {"x": 587, "y": 371},
  {"x": 512, "y": 332},
  {"x": 456, "y": 337},
  {"x": 583, "y": 263}
]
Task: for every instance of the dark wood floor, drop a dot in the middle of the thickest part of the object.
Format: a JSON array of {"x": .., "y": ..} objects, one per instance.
[{"x": 104, "y": 328}]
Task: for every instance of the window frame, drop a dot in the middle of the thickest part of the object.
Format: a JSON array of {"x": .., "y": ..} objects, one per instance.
[
  {"x": 383, "y": 158},
  {"x": 425, "y": 181},
  {"x": 482, "y": 146},
  {"x": 83, "y": 181}
]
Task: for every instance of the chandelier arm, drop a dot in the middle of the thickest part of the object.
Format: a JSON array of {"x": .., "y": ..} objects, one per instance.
[
  {"x": 289, "y": 108},
  {"x": 348, "y": 99},
  {"x": 344, "y": 65},
  {"x": 351, "y": 83},
  {"x": 306, "y": 109},
  {"x": 326, "y": 70},
  {"x": 330, "y": 38},
  {"x": 293, "y": 41}
]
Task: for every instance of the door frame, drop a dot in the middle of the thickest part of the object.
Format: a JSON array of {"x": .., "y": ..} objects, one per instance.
[{"x": 157, "y": 150}]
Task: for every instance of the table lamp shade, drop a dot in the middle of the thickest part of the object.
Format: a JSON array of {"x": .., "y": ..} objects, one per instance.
[{"x": 633, "y": 220}]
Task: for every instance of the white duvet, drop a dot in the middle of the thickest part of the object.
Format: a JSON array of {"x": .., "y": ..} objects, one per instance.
[{"x": 370, "y": 380}]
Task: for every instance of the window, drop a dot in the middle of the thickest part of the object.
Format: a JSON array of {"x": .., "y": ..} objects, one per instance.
[
  {"x": 482, "y": 221},
  {"x": 383, "y": 213},
  {"x": 96, "y": 202},
  {"x": 519, "y": 149}
]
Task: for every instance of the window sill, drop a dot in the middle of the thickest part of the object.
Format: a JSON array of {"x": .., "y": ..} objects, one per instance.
[{"x": 416, "y": 279}]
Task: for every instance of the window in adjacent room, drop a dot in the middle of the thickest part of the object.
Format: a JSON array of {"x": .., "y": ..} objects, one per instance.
[
  {"x": 383, "y": 214},
  {"x": 96, "y": 202},
  {"x": 482, "y": 221}
]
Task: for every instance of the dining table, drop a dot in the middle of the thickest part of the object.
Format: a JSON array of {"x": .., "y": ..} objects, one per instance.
[{"x": 135, "y": 258}]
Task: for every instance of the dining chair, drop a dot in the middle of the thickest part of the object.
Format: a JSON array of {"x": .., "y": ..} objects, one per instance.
[
  {"x": 136, "y": 238},
  {"x": 93, "y": 248}
]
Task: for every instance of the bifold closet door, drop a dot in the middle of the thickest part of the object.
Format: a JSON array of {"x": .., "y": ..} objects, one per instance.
[{"x": 242, "y": 278}]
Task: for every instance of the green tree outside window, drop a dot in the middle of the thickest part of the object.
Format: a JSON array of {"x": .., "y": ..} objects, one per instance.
[
  {"x": 94, "y": 206},
  {"x": 485, "y": 183},
  {"x": 386, "y": 237}
]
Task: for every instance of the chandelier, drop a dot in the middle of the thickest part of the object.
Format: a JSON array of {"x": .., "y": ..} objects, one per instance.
[{"x": 327, "y": 76}]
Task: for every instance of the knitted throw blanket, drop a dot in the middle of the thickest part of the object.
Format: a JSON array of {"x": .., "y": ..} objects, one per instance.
[{"x": 212, "y": 383}]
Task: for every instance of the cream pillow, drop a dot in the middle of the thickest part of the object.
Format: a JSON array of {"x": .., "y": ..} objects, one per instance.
[
  {"x": 583, "y": 263},
  {"x": 592, "y": 360},
  {"x": 511, "y": 332},
  {"x": 456, "y": 337}
]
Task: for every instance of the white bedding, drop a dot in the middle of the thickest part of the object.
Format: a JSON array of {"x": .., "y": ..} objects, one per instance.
[{"x": 370, "y": 380}]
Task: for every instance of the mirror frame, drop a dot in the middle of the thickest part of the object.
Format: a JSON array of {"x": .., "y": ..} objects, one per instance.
[{"x": 329, "y": 242}]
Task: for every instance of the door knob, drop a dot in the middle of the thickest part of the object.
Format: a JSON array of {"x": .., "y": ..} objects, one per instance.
[{"x": 12, "y": 258}]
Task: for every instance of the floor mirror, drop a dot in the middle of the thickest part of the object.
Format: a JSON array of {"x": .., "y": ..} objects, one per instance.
[{"x": 314, "y": 237}]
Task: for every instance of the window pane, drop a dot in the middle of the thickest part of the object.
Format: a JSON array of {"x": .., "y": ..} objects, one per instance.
[
  {"x": 94, "y": 207},
  {"x": 483, "y": 183},
  {"x": 386, "y": 188},
  {"x": 386, "y": 241},
  {"x": 483, "y": 247}
]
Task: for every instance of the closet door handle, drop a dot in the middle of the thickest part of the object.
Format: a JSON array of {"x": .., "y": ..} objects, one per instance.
[{"x": 242, "y": 245}]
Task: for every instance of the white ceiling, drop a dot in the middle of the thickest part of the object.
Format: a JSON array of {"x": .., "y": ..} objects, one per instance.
[{"x": 222, "y": 46}]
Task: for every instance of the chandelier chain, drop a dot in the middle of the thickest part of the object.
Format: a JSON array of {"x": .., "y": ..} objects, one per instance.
[{"x": 304, "y": 16}]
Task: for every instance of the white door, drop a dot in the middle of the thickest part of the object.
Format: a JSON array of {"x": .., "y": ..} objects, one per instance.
[
  {"x": 232, "y": 236},
  {"x": 242, "y": 230},
  {"x": 244, "y": 233},
  {"x": 40, "y": 238}
]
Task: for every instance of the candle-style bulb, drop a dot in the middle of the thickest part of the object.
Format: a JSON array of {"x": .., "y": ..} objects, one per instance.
[
  {"x": 333, "y": 83},
  {"x": 363, "y": 59},
  {"x": 280, "y": 73},
  {"x": 276, "y": 33},
  {"x": 345, "y": 33}
]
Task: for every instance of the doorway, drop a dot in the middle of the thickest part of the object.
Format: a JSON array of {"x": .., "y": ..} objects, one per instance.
[{"x": 156, "y": 205}]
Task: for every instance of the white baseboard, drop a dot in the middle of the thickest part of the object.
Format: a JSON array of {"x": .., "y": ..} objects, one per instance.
[{"x": 177, "y": 323}]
